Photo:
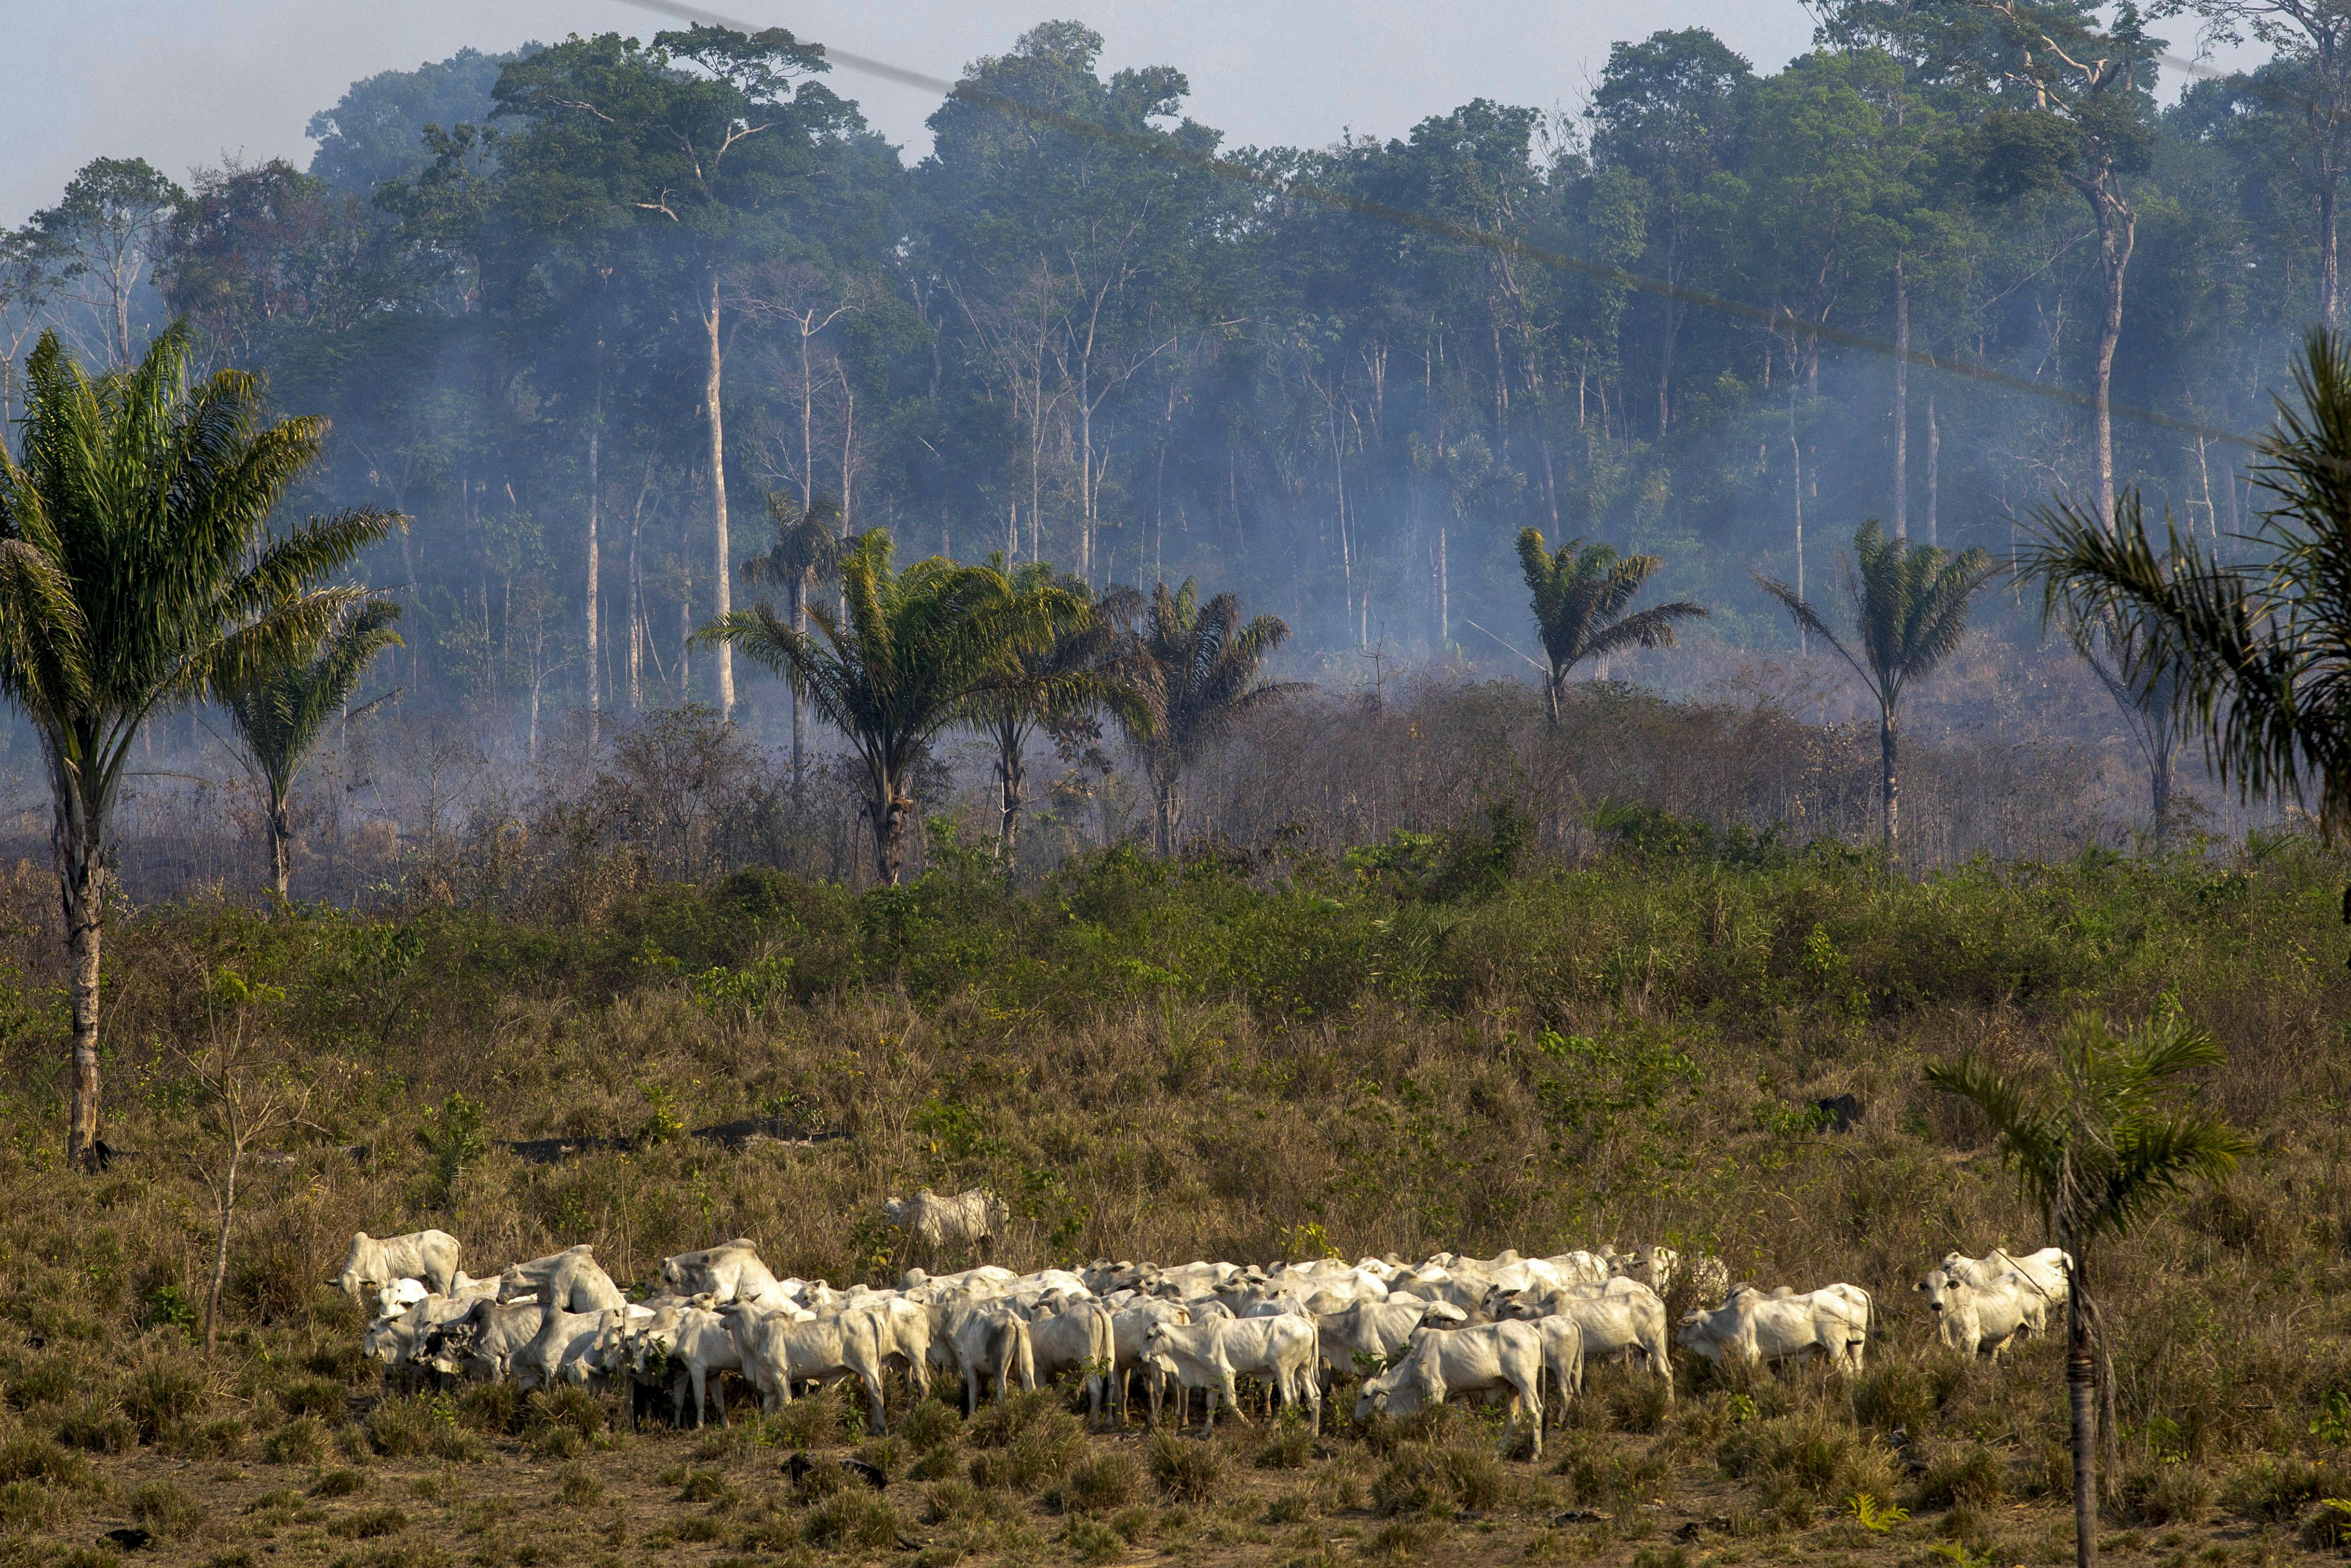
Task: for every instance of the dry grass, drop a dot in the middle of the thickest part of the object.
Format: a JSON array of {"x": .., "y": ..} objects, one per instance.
[{"x": 1169, "y": 1065}]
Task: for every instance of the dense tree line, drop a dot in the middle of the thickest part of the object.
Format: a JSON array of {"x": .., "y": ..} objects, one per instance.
[{"x": 544, "y": 297}]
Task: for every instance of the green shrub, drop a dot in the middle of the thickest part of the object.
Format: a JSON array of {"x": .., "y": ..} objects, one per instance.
[
  {"x": 2272, "y": 1489},
  {"x": 162, "y": 1389},
  {"x": 2171, "y": 1492},
  {"x": 937, "y": 1465},
  {"x": 415, "y": 1552},
  {"x": 98, "y": 1423},
  {"x": 1186, "y": 1471},
  {"x": 341, "y": 1483},
  {"x": 490, "y": 1407},
  {"x": 960, "y": 1502},
  {"x": 1961, "y": 1473},
  {"x": 368, "y": 1523},
  {"x": 930, "y": 1425},
  {"x": 301, "y": 1441},
  {"x": 26, "y": 1457},
  {"x": 711, "y": 1486},
  {"x": 1090, "y": 1541},
  {"x": 30, "y": 1505},
  {"x": 166, "y": 1510},
  {"x": 818, "y": 1421},
  {"x": 1288, "y": 1445},
  {"x": 887, "y": 1455},
  {"x": 2328, "y": 1528},
  {"x": 1440, "y": 1479},
  {"x": 1025, "y": 1443},
  {"x": 34, "y": 1378},
  {"x": 568, "y": 1407},
  {"x": 319, "y": 1396},
  {"x": 1101, "y": 1483},
  {"x": 576, "y": 1488},
  {"x": 1398, "y": 1540},
  {"x": 854, "y": 1517}
]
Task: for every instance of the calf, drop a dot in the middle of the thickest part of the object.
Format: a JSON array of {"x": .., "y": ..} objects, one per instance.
[{"x": 1441, "y": 1363}]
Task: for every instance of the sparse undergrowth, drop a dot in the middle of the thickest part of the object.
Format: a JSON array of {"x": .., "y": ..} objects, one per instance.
[{"x": 1170, "y": 1062}]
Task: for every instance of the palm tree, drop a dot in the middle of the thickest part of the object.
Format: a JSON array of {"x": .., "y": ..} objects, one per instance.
[
  {"x": 1064, "y": 685},
  {"x": 280, "y": 715},
  {"x": 915, "y": 651},
  {"x": 2097, "y": 1139},
  {"x": 1910, "y": 614},
  {"x": 1581, "y": 594},
  {"x": 2129, "y": 649},
  {"x": 135, "y": 576},
  {"x": 2264, "y": 650},
  {"x": 808, "y": 547},
  {"x": 1196, "y": 667}
]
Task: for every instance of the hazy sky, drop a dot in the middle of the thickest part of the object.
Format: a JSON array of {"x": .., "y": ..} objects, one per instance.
[{"x": 181, "y": 82}]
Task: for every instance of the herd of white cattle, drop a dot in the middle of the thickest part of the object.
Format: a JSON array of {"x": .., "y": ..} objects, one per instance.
[{"x": 1415, "y": 1335}]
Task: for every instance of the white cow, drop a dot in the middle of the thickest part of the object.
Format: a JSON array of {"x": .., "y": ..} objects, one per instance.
[
  {"x": 427, "y": 1255},
  {"x": 1077, "y": 1338},
  {"x": 1211, "y": 1355},
  {"x": 483, "y": 1339},
  {"x": 967, "y": 1219},
  {"x": 726, "y": 1271},
  {"x": 778, "y": 1352},
  {"x": 989, "y": 1340},
  {"x": 1445, "y": 1362},
  {"x": 1129, "y": 1325},
  {"x": 1752, "y": 1328},
  {"x": 690, "y": 1348},
  {"x": 1371, "y": 1329},
  {"x": 1972, "y": 1316},
  {"x": 2046, "y": 1270},
  {"x": 1620, "y": 1318},
  {"x": 571, "y": 1279}
]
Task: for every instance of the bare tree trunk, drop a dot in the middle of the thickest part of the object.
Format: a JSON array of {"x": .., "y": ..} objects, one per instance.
[
  {"x": 1167, "y": 806},
  {"x": 220, "y": 1250},
  {"x": 81, "y": 892},
  {"x": 2330, "y": 274},
  {"x": 2118, "y": 229},
  {"x": 889, "y": 809},
  {"x": 281, "y": 838},
  {"x": 722, "y": 598},
  {"x": 1886, "y": 748},
  {"x": 1901, "y": 403},
  {"x": 2081, "y": 1394},
  {"x": 1934, "y": 463},
  {"x": 800, "y": 588},
  {"x": 1012, "y": 773}
]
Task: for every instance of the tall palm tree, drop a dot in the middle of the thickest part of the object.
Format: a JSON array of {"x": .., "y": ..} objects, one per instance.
[
  {"x": 1582, "y": 592},
  {"x": 1910, "y": 614},
  {"x": 136, "y": 575},
  {"x": 280, "y": 715},
  {"x": 1197, "y": 668},
  {"x": 1064, "y": 683},
  {"x": 808, "y": 547},
  {"x": 2098, "y": 1137},
  {"x": 915, "y": 651},
  {"x": 2265, "y": 648}
]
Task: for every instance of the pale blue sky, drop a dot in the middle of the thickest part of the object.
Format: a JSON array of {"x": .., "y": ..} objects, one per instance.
[{"x": 181, "y": 82}]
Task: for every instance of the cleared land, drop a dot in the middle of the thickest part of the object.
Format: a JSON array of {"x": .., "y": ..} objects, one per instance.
[{"x": 1415, "y": 1051}]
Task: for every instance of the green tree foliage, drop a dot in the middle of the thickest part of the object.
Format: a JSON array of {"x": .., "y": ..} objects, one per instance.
[
  {"x": 281, "y": 712},
  {"x": 910, "y": 655},
  {"x": 2099, "y": 1136},
  {"x": 136, "y": 576},
  {"x": 1582, "y": 598},
  {"x": 1200, "y": 671},
  {"x": 99, "y": 241},
  {"x": 1062, "y": 684},
  {"x": 2266, "y": 646},
  {"x": 1910, "y": 614}
]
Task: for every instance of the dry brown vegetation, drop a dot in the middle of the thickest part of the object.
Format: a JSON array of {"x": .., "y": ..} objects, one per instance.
[{"x": 1495, "y": 1035}]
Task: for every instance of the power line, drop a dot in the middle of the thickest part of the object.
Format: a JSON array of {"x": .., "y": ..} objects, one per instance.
[{"x": 1772, "y": 319}]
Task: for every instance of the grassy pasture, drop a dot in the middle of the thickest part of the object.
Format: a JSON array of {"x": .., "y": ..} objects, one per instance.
[{"x": 1416, "y": 1049}]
